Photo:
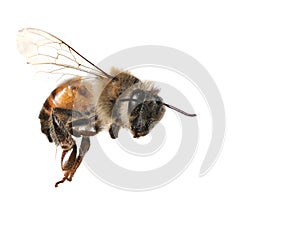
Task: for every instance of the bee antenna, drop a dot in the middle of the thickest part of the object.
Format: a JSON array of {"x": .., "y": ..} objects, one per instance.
[
  {"x": 165, "y": 104},
  {"x": 178, "y": 110}
]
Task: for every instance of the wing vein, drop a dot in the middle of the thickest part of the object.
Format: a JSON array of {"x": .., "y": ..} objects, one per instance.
[{"x": 45, "y": 51}]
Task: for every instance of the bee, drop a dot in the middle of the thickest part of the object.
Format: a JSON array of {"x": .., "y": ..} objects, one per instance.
[{"x": 88, "y": 100}]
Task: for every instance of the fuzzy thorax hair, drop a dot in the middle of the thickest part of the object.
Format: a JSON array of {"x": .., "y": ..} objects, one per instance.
[{"x": 110, "y": 108}]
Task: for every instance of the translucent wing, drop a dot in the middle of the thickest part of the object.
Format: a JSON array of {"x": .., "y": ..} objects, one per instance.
[{"x": 48, "y": 54}]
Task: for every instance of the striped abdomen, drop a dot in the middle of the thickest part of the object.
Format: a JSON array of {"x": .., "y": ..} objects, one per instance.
[{"x": 71, "y": 95}]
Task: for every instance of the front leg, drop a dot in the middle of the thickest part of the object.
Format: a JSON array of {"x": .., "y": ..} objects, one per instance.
[{"x": 114, "y": 130}]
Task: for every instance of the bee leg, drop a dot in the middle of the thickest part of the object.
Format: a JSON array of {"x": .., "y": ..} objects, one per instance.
[
  {"x": 67, "y": 143},
  {"x": 81, "y": 122},
  {"x": 64, "y": 138},
  {"x": 85, "y": 127},
  {"x": 67, "y": 165},
  {"x": 114, "y": 130},
  {"x": 84, "y": 147},
  {"x": 61, "y": 181}
]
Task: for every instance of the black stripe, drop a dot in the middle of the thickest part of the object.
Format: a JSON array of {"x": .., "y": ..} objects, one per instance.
[
  {"x": 47, "y": 105},
  {"x": 43, "y": 114}
]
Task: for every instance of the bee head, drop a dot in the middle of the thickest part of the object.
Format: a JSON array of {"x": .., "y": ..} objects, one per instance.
[{"x": 145, "y": 110}]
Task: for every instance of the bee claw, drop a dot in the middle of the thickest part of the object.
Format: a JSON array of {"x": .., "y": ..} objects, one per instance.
[
  {"x": 57, "y": 183},
  {"x": 61, "y": 181}
]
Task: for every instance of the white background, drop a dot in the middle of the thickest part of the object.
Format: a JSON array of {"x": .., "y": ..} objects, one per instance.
[{"x": 251, "y": 49}]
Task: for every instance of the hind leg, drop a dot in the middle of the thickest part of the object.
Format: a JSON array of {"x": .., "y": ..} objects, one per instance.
[
  {"x": 81, "y": 127},
  {"x": 84, "y": 147},
  {"x": 64, "y": 139},
  {"x": 71, "y": 165}
]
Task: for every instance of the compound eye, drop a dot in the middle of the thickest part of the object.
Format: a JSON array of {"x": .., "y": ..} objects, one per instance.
[{"x": 137, "y": 97}]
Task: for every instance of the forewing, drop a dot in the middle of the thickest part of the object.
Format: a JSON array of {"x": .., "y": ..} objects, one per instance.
[{"x": 48, "y": 54}]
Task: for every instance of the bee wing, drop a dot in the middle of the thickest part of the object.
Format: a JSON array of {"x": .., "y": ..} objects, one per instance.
[{"x": 48, "y": 54}]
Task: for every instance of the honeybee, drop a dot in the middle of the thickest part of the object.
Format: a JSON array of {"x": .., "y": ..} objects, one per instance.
[{"x": 88, "y": 100}]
